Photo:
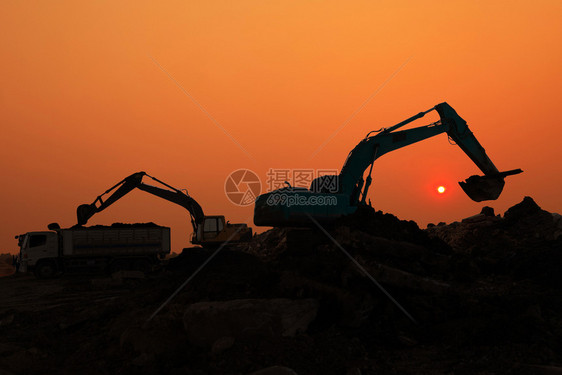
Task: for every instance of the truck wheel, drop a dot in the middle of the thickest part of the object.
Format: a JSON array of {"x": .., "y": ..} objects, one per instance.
[{"x": 45, "y": 270}]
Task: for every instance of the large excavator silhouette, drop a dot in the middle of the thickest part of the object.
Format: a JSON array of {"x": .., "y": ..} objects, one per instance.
[
  {"x": 208, "y": 231},
  {"x": 333, "y": 196}
]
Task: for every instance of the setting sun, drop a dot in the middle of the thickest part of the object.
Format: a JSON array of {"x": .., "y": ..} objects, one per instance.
[
  {"x": 441, "y": 189},
  {"x": 228, "y": 74}
]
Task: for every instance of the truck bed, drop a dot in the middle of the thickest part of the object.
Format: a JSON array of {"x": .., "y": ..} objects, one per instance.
[{"x": 116, "y": 241}]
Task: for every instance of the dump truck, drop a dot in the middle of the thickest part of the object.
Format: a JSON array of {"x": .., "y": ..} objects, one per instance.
[{"x": 93, "y": 249}]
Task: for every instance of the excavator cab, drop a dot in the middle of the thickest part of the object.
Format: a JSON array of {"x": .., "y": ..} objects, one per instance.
[
  {"x": 213, "y": 231},
  {"x": 212, "y": 226}
]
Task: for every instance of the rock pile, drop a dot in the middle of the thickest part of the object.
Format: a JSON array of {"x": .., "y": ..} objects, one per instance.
[{"x": 486, "y": 293}]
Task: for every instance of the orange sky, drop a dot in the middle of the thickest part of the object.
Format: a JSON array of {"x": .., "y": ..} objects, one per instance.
[{"x": 83, "y": 104}]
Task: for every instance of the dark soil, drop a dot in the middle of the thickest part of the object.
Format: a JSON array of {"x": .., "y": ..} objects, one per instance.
[{"x": 485, "y": 294}]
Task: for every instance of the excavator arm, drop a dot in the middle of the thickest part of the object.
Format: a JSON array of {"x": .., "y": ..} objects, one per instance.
[
  {"x": 352, "y": 188},
  {"x": 85, "y": 211},
  {"x": 478, "y": 188}
]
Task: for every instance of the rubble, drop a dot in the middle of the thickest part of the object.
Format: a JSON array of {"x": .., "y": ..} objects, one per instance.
[
  {"x": 524, "y": 243},
  {"x": 274, "y": 370},
  {"x": 485, "y": 291},
  {"x": 207, "y": 322}
]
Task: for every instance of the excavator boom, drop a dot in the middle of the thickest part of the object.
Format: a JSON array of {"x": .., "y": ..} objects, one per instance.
[
  {"x": 85, "y": 211},
  {"x": 209, "y": 231},
  {"x": 352, "y": 187}
]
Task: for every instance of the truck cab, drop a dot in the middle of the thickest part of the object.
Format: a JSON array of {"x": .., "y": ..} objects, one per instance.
[{"x": 37, "y": 247}]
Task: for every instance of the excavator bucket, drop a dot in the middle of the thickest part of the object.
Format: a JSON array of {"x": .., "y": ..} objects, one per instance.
[
  {"x": 485, "y": 188},
  {"x": 84, "y": 212}
]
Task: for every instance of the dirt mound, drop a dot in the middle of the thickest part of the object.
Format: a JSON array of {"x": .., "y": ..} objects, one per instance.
[
  {"x": 379, "y": 224},
  {"x": 485, "y": 293},
  {"x": 525, "y": 243},
  {"x": 528, "y": 207},
  {"x": 119, "y": 225}
]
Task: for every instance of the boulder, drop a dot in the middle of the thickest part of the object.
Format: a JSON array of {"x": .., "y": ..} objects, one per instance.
[
  {"x": 525, "y": 208},
  {"x": 222, "y": 344},
  {"x": 206, "y": 322},
  {"x": 478, "y": 218},
  {"x": 488, "y": 211}
]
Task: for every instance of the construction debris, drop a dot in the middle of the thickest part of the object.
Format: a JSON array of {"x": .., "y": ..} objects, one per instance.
[{"x": 486, "y": 293}]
